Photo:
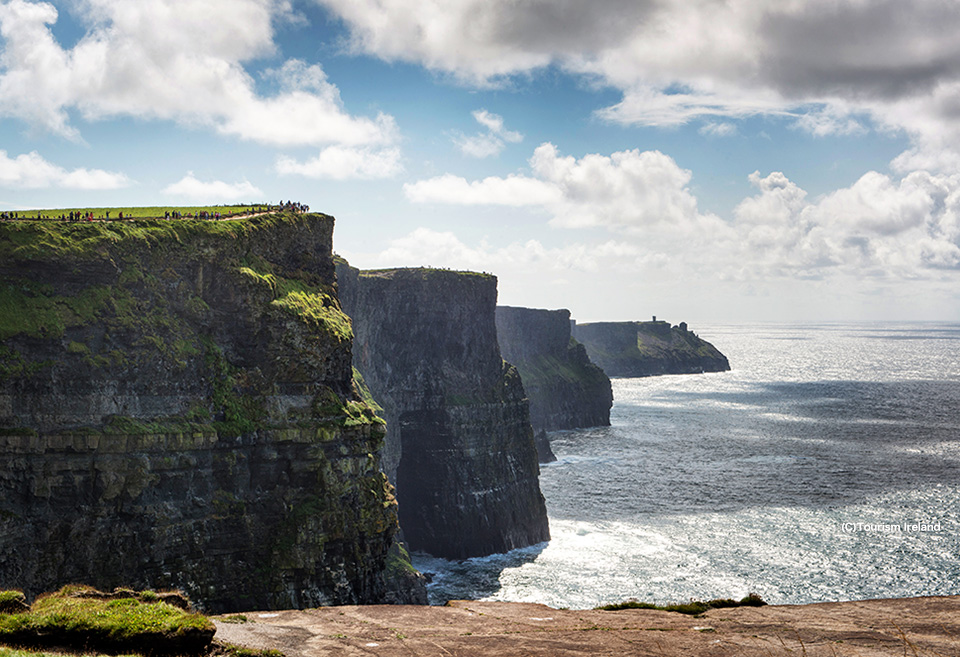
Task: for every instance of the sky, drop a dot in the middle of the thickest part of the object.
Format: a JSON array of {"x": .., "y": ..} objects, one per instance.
[{"x": 698, "y": 160}]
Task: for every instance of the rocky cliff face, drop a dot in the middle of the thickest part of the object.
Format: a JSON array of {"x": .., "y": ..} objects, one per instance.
[
  {"x": 459, "y": 444},
  {"x": 177, "y": 409},
  {"x": 565, "y": 389},
  {"x": 648, "y": 348}
]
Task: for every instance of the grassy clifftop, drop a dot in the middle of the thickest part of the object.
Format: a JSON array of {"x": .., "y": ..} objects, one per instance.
[{"x": 24, "y": 240}]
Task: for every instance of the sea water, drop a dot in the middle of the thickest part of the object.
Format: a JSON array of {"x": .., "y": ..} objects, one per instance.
[{"x": 824, "y": 466}]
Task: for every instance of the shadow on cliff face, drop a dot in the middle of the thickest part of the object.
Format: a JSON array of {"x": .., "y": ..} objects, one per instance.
[{"x": 470, "y": 579}]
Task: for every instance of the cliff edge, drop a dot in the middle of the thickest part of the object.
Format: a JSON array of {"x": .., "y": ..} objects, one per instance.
[
  {"x": 178, "y": 409},
  {"x": 565, "y": 389},
  {"x": 459, "y": 445},
  {"x": 632, "y": 349}
]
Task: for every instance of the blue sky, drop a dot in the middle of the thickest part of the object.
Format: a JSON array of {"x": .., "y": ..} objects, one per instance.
[{"x": 707, "y": 161}]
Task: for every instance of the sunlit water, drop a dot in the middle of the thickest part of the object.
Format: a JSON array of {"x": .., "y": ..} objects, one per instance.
[{"x": 800, "y": 475}]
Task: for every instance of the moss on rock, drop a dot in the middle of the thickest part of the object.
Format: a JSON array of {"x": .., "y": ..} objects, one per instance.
[{"x": 81, "y": 618}]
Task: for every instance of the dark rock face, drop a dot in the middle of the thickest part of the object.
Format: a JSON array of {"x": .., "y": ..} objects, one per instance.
[
  {"x": 177, "y": 409},
  {"x": 566, "y": 390},
  {"x": 459, "y": 444},
  {"x": 632, "y": 349},
  {"x": 544, "y": 452}
]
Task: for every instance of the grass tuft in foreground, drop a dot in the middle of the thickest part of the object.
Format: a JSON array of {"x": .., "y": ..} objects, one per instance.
[
  {"x": 16, "y": 652},
  {"x": 12, "y": 602},
  {"x": 84, "y": 619},
  {"x": 216, "y": 649},
  {"x": 693, "y": 608},
  {"x": 230, "y": 650}
]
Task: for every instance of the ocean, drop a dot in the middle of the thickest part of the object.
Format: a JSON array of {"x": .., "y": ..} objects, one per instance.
[{"x": 825, "y": 466}]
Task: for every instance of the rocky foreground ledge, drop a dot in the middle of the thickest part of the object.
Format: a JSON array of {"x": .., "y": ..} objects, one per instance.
[{"x": 913, "y": 626}]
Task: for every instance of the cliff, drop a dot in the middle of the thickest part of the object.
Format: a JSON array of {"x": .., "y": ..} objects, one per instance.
[
  {"x": 178, "y": 409},
  {"x": 632, "y": 349},
  {"x": 459, "y": 445},
  {"x": 565, "y": 389}
]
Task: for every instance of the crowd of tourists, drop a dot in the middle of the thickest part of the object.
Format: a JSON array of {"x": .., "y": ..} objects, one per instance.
[
  {"x": 212, "y": 215},
  {"x": 68, "y": 216},
  {"x": 293, "y": 206}
]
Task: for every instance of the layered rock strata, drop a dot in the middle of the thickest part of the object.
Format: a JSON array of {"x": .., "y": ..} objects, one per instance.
[
  {"x": 565, "y": 389},
  {"x": 178, "y": 409},
  {"x": 631, "y": 349},
  {"x": 459, "y": 445}
]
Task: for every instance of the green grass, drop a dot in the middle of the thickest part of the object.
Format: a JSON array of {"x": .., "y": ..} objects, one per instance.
[
  {"x": 318, "y": 310},
  {"x": 693, "y": 608},
  {"x": 361, "y": 389},
  {"x": 11, "y": 602},
  {"x": 230, "y": 650},
  {"x": 43, "y": 240},
  {"x": 15, "y": 652},
  {"x": 544, "y": 370},
  {"x": 155, "y": 212},
  {"x": 34, "y": 310},
  {"x": 121, "y": 425},
  {"x": 398, "y": 562},
  {"x": 235, "y": 619},
  {"x": 216, "y": 650},
  {"x": 65, "y": 618},
  {"x": 314, "y": 304},
  {"x": 422, "y": 273}
]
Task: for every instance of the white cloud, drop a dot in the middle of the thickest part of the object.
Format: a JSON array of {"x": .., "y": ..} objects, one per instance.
[
  {"x": 434, "y": 248},
  {"x": 830, "y": 120},
  {"x": 879, "y": 227},
  {"x": 650, "y": 105},
  {"x": 494, "y": 123},
  {"x": 344, "y": 163},
  {"x": 426, "y": 247},
  {"x": 858, "y": 251},
  {"x": 160, "y": 59},
  {"x": 628, "y": 191},
  {"x": 214, "y": 191},
  {"x": 480, "y": 145},
  {"x": 516, "y": 191},
  {"x": 830, "y": 66},
  {"x": 718, "y": 129},
  {"x": 489, "y": 143},
  {"x": 31, "y": 171},
  {"x": 475, "y": 40},
  {"x": 307, "y": 111}
]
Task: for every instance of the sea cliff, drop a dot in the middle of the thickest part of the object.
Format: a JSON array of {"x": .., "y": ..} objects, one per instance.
[
  {"x": 565, "y": 389},
  {"x": 632, "y": 349},
  {"x": 178, "y": 409},
  {"x": 459, "y": 444}
]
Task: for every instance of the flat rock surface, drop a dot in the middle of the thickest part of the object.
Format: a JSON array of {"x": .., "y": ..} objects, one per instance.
[{"x": 913, "y": 627}]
